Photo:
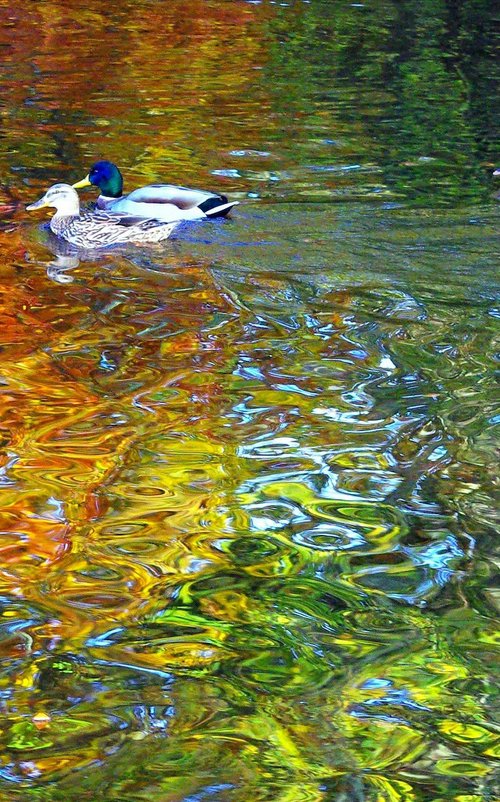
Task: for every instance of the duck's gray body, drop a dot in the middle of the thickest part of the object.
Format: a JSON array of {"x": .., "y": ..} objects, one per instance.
[
  {"x": 100, "y": 229},
  {"x": 168, "y": 203}
]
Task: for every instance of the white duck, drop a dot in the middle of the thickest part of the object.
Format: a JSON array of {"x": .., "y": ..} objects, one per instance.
[{"x": 96, "y": 229}]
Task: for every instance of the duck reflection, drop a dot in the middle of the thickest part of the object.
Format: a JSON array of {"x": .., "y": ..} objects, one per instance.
[
  {"x": 57, "y": 269},
  {"x": 63, "y": 257}
]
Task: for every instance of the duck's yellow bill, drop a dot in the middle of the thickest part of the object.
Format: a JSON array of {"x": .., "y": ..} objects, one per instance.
[
  {"x": 83, "y": 183},
  {"x": 39, "y": 204}
]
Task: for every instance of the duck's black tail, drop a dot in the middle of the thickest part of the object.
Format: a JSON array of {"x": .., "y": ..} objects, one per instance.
[{"x": 217, "y": 206}]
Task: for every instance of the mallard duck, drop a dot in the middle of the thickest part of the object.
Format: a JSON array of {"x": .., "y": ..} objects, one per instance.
[
  {"x": 161, "y": 201},
  {"x": 96, "y": 229}
]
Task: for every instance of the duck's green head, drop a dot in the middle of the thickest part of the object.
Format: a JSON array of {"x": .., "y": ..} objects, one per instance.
[{"x": 106, "y": 176}]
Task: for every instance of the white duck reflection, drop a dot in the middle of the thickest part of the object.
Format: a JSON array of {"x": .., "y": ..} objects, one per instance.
[{"x": 66, "y": 257}]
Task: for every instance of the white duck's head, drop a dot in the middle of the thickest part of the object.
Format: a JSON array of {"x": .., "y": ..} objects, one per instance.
[{"x": 61, "y": 196}]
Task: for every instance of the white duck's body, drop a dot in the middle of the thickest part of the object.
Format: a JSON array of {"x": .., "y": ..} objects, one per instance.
[{"x": 164, "y": 202}]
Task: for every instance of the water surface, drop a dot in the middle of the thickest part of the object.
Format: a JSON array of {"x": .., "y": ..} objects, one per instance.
[{"x": 247, "y": 476}]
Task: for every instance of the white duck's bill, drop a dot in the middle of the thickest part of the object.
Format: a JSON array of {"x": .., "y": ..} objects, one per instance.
[{"x": 39, "y": 204}]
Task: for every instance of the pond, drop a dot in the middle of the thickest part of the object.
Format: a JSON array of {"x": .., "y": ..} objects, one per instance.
[{"x": 247, "y": 475}]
